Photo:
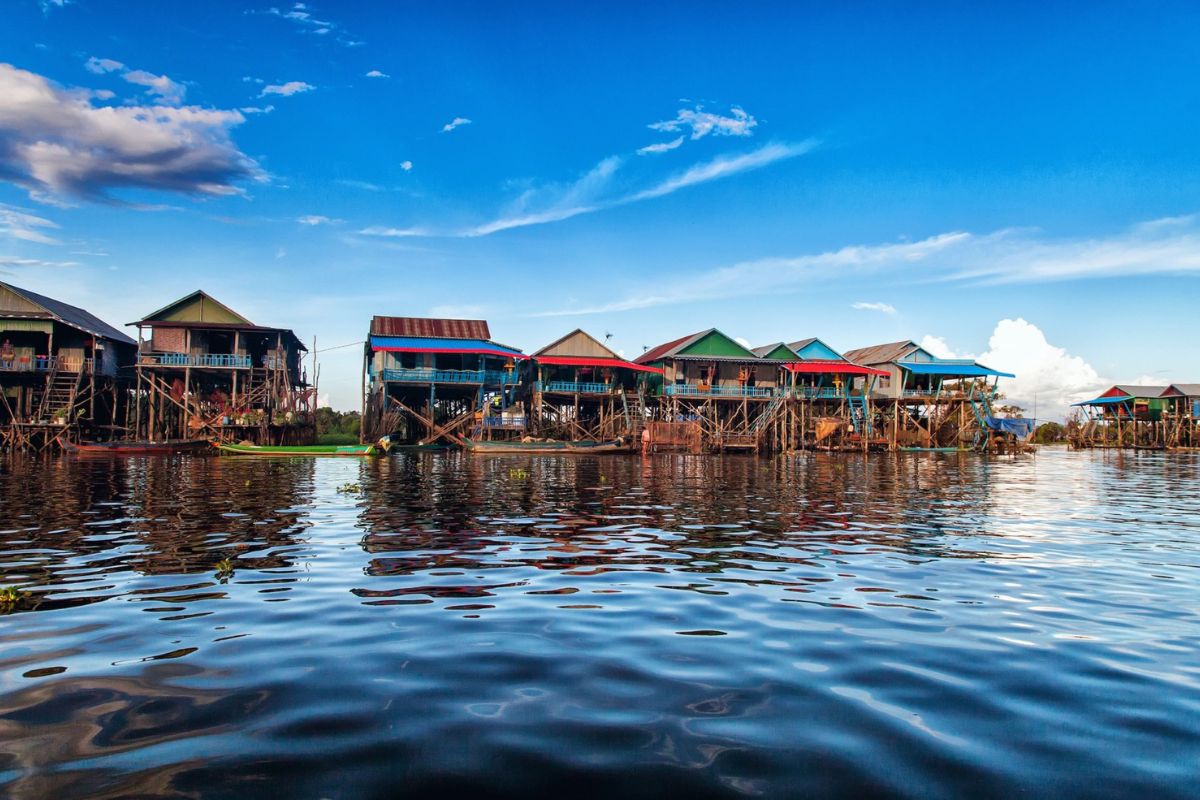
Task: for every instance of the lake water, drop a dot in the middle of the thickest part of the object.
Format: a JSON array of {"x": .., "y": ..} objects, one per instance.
[{"x": 924, "y": 625}]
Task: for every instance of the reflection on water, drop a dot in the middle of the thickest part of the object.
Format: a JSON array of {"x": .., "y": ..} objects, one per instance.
[{"x": 929, "y": 625}]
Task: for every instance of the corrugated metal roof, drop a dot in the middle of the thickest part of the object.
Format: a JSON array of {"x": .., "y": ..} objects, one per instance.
[
  {"x": 803, "y": 343},
  {"x": 75, "y": 317},
  {"x": 766, "y": 349},
  {"x": 882, "y": 353},
  {"x": 1185, "y": 389},
  {"x": 433, "y": 344},
  {"x": 430, "y": 327},
  {"x": 1140, "y": 391},
  {"x": 666, "y": 350}
]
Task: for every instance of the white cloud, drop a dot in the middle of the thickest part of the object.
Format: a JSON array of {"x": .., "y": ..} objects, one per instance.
[
  {"x": 280, "y": 252},
  {"x": 938, "y": 347},
  {"x": 457, "y": 122},
  {"x": 316, "y": 219},
  {"x": 16, "y": 223},
  {"x": 883, "y": 308},
  {"x": 160, "y": 86},
  {"x": 589, "y": 194},
  {"x": 301, "y": 15},
  {"x": 1048, "y": 377},
  {"x": 406, "y": 166},
  {"x": 14, "y": 261},
  {"x": 702, "y": 123},
  {"x": 286, "y": 89},
  {"x": 377, "y": 74},
  {"x": 257, "y": 109},
  {"x": 743, "y": 342},
  {"x": 661, "y": 147},
  {"x": 392, "y": 233},
  {"x": 56, "y": 143}
]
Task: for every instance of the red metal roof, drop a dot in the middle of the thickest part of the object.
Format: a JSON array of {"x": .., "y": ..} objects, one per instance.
[
  {"x": 426, "y": 326},
  {"x": 586, "y": 361},
  {"x": 830, "y": 368},
  {"x": 655, "y": 353}
]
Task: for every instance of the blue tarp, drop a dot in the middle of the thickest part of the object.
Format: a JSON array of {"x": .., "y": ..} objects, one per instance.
[
  {"x": 1019, "y": 427},
  {"x": 429, "y": 344},
  {"x": 952, "y": 369}
]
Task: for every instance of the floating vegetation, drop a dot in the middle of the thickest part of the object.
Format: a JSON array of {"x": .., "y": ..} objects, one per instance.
[
  {"x": 12, "y": 598},
  {"x": 349, "y": 488},
  {"x": 224, "y": 569}
]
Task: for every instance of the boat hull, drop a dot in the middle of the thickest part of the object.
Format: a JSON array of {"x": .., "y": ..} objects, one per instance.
[
  {"x": 173, "y": 447},
  {"x": 303, "y": 451},
  {"x": 547, "y": 448}
]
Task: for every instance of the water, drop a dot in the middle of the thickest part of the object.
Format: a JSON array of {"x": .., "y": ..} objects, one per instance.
[{"x": 920, "y": 625}]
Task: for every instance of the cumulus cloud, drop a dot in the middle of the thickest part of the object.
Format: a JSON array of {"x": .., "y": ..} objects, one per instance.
[
  {"x": 160, "y": 86},
  {"x": 17, "y": 223},
  {"x": 286, "y": 89},
  {"x": 377, "y": 74},
  {"x": 457, "y": 122},
  {"x": 883, "y": 308},
  {"x": 1048, "y": 377},
  {"x": 57, "y": 143},
  {"x": 406, "y": 166}
]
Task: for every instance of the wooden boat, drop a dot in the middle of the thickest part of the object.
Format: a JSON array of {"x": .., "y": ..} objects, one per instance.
[
  {"x": 163, "y": 448},
  {"x": 552, "y": 447},
  {"x": 344, "y": 450}
]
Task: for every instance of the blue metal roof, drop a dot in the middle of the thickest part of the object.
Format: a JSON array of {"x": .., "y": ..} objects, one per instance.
[
  {"x": 952, "y": 369},
  {"x": 1105, "y": 401},
  {"x": 430, "y": 344}
]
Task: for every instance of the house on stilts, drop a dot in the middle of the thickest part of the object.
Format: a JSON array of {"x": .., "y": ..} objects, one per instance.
[
  {"x": 828, "y": 398},
  {"x": 1124, "y": 415},
  {"x": 62, "y": 372},
  {"x": 205, "y": 371},
  {"x": 439, "y": 380},
  {"x": 580, "y": 390},
  {"x": 1181, "y": 410},
  {"x": 715, "y": 394},
  {"x": 928, "y": 402}
]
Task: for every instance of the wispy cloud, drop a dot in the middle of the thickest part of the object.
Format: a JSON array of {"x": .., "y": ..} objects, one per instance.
[
  {"x": 377, "y": 74},
  {"x": 17, "y": 223},
  {"x": 1159, "y": 247},
  {"x": 303, "y": 16},
  {"x": 316, "y": 219},
  {"x": 701, "y": 123},
  {"x": 57, "y": 143},
  {"x": 591, "y": 192},
  {"x": 14, "y": 261},
  {"x": 286, "y": 89},
  {"x": 392, "y": 233},
  {"x": 457, "y": 122},
  {"x": 883, "y": 308},
  {"x": 661, "y": 147},
  {"x": 160, "y": 86}
]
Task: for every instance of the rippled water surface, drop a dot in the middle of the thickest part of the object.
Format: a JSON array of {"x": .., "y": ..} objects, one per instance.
[{"x": 920, "y": 625}]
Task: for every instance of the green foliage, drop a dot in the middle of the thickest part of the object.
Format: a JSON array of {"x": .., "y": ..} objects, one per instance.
[
  {"x": 1050, "y": 433},
  {"x": 343, "y": 423},
  {"x": 224, "y": 569},
  {"x": 11, "y": 598},
  {"x": 337, "y": 438}
]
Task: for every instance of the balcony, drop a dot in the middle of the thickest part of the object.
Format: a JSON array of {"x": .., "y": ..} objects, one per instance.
[
  {"x": 572, "y": 387},
  {"x": 220, "y": 360},
  {"x": 819, "y": 392},
  {"x": 704, "y": 390},
  {"x": 46, "y": 364},
  {"x": 459, "y": 376}
]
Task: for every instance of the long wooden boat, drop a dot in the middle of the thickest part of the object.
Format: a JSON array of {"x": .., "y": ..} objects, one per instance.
[
  {"x": 344, "y": 450},
  {"x": 554, "y": 447},
  {"x": 166, "y": 447}
]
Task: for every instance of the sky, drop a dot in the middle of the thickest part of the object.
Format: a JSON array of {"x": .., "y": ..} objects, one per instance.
[{"x": 1014, "y": 183}]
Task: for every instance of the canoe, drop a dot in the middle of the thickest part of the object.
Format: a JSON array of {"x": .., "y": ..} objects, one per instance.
[
  {"x": 553, "y": 448},
  {"x": 167, "y": 447},
  {"x": 345, "y": 450}
]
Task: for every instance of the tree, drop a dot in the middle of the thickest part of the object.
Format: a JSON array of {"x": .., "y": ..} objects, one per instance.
[{"x": 1050, "y": 433}]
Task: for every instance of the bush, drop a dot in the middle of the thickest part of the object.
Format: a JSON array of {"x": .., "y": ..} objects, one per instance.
[
  {"x": 1050, "y": 433},
  {"x": 331, "y": 422},
  {"x": 337, "y": 438}
]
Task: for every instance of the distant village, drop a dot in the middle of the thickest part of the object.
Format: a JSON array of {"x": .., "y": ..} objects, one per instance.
[{"x": 198, "y": 370}]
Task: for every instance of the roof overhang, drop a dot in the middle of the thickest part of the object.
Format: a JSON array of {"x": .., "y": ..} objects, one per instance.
[
  {"x": 420, "y": 344},
  {"x": 586, "y": 361},
  {"x": 952, "y": 369},
  {"x": 812, "y": 367}
]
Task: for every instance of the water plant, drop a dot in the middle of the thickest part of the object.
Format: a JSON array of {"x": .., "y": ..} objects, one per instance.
[
  {"x": 224, "y": 568},
  {"x": 11, "y": 598},
  {"x": 349, "y": 488}
]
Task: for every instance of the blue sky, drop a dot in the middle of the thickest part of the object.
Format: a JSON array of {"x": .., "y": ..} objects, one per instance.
[{"x": 1012, "y": 183}]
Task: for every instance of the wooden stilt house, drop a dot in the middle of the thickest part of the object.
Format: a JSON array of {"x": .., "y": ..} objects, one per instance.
[
  {"x": 828, "y": 397},
  {"x": 731, "y": 395},
  {"x": 1181, "y": 410},
  {"x": 205, "y": 371},
  {"x": 60, "y": 372},
  {"x": 439, "y": 380},
  {"x": 1124, "y": 415},
  {"x": 579, "y": 390},
  {"x": 928, "y": 402}
]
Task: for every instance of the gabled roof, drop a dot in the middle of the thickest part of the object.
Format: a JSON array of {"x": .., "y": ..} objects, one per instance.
[
  {"x": 812, "y": 343},
  {"x": 430, "y": 327},
  {"x": 72, "y": 316},
  {"x": 776, "y": 352},
  {"x": 199, "y": 306},
  {"x": 883, "y": 353},
  {"x": 577, "y": 343},
  {"x": 680, "y": 349},
  {"x": 1131, "y": 390},
  {"x": 1182, "y": 390}
]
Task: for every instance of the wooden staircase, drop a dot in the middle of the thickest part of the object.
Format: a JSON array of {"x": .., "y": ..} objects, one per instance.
[{"x": 58, "y": 399}]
